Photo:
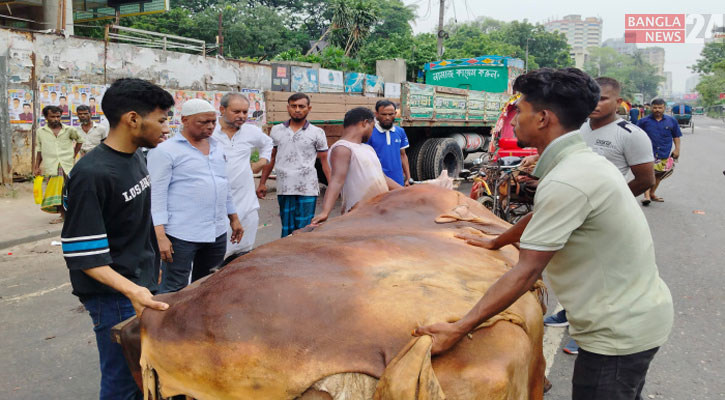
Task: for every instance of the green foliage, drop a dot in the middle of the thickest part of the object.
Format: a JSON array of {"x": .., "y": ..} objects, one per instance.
[
  {"x": 711, "y": 54},
  {"x": 634, "y": 73},
  {"x": 360, "y": 32},
  {"x": 331, "y": 57},
  {"x": 711, "y": 85}
]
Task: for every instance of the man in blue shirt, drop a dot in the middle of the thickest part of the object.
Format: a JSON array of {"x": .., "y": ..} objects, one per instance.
[
  {"x": 634, "y": 113},
  {"x": 390, "y": 142},
  {"x": 191, "y": 199},
  {"x": 663, "y": 130}
]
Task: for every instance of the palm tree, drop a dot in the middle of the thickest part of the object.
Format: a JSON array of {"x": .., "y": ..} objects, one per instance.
[
  {"x": 363, "y": 16},
  {"x": 355, "y": 18},
  {"x": 340, "y": 17}
]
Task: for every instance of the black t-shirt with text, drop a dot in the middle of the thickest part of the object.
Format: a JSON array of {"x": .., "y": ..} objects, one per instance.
[{"x": 108, "y": 220}]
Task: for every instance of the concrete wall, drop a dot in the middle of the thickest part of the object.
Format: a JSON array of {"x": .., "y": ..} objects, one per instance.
[
  {"x": 35, "y": 58},
  {"x": 393, "y": 71}
]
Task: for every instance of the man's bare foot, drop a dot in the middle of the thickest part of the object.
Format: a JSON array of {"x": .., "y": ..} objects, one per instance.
[
  {"x": 657, "y": 199},
  {"x": 57, "y": 221}
]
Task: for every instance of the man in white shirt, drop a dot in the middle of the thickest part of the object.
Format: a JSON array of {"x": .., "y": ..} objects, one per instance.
[
  {"x": 93, "y": 133},
  {"x": 239, "y": 139}
]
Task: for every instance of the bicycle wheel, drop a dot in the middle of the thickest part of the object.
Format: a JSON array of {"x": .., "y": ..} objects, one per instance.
[{"x": 487, "y": 201}]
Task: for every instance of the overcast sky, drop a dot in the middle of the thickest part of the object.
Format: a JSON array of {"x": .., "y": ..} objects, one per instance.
[{"x": 677, "y": 56}]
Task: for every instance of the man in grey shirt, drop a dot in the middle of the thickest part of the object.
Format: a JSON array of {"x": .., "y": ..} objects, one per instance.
[{"x": 624, "y": 145}]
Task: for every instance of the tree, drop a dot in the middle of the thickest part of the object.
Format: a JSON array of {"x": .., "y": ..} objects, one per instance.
[
  {"x": 711, "y": 54},
  {"x": 633, "y": 72},
  {"x": 711, "y": 85}
]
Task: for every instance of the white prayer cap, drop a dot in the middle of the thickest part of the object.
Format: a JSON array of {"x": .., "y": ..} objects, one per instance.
[{"x": 196, "y": 106}]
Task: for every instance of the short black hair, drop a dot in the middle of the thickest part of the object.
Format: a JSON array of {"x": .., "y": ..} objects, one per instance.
[
  {"x": 26, "y": 104},
  {"x": 383, "y": 104},
  {"x": 83, "y": 107},
  {"x": 51, "y": 109},
  {"x": 62, "y": 97},
  {"x": 299, "y": 96},
  {"x": 131, "y": 94},
  {"x": 611, "y": 82},
  {"x": 91, "y": 98},
  {"x": 658, "y": 102},
  {"x": 569, "y": 93},
  {"x": 357, "y": 115}
]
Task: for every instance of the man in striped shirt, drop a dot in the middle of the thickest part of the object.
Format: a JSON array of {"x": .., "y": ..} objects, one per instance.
[{"x": 107, "y": 237}]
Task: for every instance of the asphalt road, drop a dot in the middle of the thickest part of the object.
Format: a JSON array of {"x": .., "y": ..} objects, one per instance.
[{"x": 48, "y": 346}]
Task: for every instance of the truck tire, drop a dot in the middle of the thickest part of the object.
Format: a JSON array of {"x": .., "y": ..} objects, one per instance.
[
  {"x": 414, "y": 159},
  {"x": 440, "y": 154}
]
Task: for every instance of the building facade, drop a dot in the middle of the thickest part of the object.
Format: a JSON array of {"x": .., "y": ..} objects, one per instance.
[{"x": 581, "y": 34}]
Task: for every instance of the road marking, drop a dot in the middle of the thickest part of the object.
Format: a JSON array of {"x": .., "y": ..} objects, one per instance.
[
  {"x": 552, "y": 341},
  {"x": 34, "y": 294}
]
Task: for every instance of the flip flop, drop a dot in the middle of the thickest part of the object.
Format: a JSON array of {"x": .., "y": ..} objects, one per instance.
[
  {"x": 645, "y": 202},
  {"x": 657, "y": 199}
]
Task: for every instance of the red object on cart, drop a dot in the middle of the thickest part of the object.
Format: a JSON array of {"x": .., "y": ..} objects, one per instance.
[{"x": 503, "y": 139}]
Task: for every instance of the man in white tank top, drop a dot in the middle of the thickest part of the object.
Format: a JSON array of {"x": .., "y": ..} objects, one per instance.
[{"x": 356, "y": 170}]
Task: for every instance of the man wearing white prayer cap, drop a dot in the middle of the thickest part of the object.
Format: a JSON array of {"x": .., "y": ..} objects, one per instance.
[{"x": 191, "y": 201}]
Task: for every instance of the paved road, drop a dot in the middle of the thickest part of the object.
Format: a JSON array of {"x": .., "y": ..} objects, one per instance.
[{"x": 48, "y": 347}]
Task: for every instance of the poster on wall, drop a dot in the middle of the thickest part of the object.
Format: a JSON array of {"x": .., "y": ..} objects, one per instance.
[
  {"x": 373, "y": 85},
  {"x": 20, "y": 106},
  {"x": 331, "y": 81},
  {"x": 54, "y": 94},
  {"x": 354, "y": 82},
  {"x": 88, "y": 95},
  {"x": 280, "y": 78},
  {"x": 304, "y": 80},
  {"x": 392, "y": 90},
  {"x": 257, "y": 106}
]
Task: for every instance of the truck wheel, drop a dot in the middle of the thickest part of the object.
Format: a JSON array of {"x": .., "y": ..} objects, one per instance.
[
  {"x": 414, "y": 160},
  {"x": 440, "y": 154}
]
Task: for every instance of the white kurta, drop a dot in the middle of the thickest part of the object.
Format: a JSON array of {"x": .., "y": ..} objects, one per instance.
[{"x": 238, "y": 151}]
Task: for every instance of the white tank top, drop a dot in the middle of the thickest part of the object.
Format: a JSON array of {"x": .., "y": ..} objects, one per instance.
[{"x": 365, "y": 178}]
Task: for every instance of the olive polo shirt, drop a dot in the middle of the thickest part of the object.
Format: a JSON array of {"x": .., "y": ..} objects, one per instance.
[{"x": 604, "y": 270}]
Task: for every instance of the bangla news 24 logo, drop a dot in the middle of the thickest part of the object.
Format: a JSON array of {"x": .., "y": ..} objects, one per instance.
[{"x": 672, "y": 28}]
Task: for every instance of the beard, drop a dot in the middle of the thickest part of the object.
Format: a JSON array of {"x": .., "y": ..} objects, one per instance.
[
  {"x": 298, "y": 120},
  {"x": 521, "y": 144},
  {"x": 54, "y": 124},
  {"x": 143, "y": 141},
  {"x": 386, "y": 126}
]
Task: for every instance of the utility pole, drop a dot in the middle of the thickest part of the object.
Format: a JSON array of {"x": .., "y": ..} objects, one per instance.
[
  {"x": 220, "y": 38},
  {"x": 441, "y": 33}
]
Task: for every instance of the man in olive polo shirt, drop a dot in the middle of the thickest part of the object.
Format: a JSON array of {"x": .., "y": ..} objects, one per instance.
[{"x": 590, "y": 234}]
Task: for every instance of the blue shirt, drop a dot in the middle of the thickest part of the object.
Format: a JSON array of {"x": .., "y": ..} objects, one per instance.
[
  {"x": 661, "y": 134},
  {"x": 190, "y": 193},
  {"x": 387, "y": 145},
  {"x": 633, "y": 115}
]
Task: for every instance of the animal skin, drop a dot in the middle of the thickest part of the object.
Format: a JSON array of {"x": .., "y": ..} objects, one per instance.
[{"x": 323, "y": 314}]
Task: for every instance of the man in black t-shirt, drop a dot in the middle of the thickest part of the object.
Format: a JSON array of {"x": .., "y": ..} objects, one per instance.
[{"x": 107, "y": 235}]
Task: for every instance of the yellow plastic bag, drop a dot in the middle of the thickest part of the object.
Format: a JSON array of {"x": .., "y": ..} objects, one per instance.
[{"x": 38, "y": 189}]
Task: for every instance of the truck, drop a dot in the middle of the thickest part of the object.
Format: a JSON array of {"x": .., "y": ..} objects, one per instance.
[{"x": 445, "y": 119}]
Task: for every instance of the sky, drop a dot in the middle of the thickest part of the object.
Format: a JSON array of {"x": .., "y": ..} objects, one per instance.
[{"x": 677, "y": 56}]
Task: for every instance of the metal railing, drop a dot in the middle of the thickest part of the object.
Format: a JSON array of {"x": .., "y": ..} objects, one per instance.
[{"x": 154, "y": 39}]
